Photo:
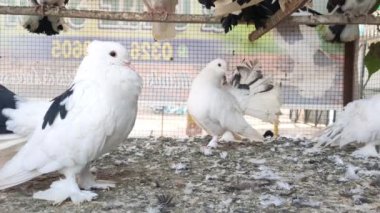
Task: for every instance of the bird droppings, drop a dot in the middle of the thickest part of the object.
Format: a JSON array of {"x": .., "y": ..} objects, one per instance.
[
  {"x": 268, "y": 200},
  {"x": 337, "y": 160},
  {"x": 223, "y": 155},
  {"x": 351, "y": 173},
  {"x": 207, "y": 151},
  {"x": 169, "y": 175}
]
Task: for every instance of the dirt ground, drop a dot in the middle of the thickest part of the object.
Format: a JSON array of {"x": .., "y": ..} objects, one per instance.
[{"x": 180, "y": 175}]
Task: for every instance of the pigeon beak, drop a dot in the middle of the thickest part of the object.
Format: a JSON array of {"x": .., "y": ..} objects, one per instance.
[{"x": 129, "y": 64}]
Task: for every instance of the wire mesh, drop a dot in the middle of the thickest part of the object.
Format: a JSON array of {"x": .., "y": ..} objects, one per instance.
[
  {"x": 367, "y": 86},
  {"x": 309, "y": 71}
]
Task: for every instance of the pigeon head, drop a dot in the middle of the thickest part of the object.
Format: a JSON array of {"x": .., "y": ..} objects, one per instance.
[
  {"x": 106, "y": 62},
  {"x": 217, "y": 67},
  {"x": 110, "y": 53}
]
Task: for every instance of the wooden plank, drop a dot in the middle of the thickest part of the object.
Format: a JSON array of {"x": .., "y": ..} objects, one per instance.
[
  {"x": 277, "y": 18},
  {"x": 233, "y": 7},
  {"x": 177, "y": 18}
]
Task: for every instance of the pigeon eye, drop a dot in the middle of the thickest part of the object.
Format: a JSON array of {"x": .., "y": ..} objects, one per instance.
[
  {"x": 219, "y": 64},
  {"x": 28, "y": 26},
  {"x": 113, "y": 53},
  {"x": 60, "y": 27}
]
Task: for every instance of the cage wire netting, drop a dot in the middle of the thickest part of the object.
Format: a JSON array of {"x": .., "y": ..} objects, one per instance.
[
  {"x": 368, "y": 34},
  {"x": 310, "y": 72}
]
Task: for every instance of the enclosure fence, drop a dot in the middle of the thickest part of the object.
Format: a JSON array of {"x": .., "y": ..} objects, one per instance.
[{"x": 310, "y": 72}]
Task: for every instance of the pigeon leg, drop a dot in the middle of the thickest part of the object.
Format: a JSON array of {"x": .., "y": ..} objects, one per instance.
[
  {"x": 87, "y": 181},
  {"x": 334, "y": 10},
  {"x": 61, "y": 7},
  {"x": 44, "y": 7},
  {"x": 62, "y": 189},
  {"x": 213, "y": 142},
  {"x": 275, "y": 128},
  {"x": 369, "y": 150},
  {"x": 164, "y": 14},
  {"x": 149, "y": 8},
  {"x": 162, "y": 11},
  {"x": 350, "y": 15},
  {"x": 37, "y": 6}
]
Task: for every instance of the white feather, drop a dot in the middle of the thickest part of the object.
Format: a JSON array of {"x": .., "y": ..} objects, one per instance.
[
  {"x": 22, "y": 121},
  {"x": 358, "y": 8},
  {"x": 350, "y": 33},
  {"x": 357, "y": 123},
  {"x": 27, "y": 115}
]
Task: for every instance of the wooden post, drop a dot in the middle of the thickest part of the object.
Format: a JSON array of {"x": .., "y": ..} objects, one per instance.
[{"x": 349, "y": 72}]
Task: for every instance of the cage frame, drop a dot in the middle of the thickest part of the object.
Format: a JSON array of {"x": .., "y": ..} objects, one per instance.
[{"x": 350, "y": 48}]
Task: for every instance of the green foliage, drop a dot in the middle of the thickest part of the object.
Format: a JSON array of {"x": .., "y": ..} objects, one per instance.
[{"x": 372, "y": 59}]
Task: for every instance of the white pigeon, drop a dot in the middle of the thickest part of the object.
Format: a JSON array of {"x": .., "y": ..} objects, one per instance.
[
  {"x": 162, "y": 31},
  {"x": 351, "y": 9},
  {"x": 219, "y": 108},
  {"x": 357, "y": 123},
  {"x": 93, "y": 116},
  {"x": 49, "y": 25}
]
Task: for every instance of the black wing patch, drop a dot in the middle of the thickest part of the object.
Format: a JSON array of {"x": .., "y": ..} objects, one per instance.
[
  {"x": 207, "y": 3},
  {"x": 7, "y": 100},
  {"x": 337, "y": 31},
  {"x": 44, "y": 26},
  {"x": 237, "y": 78},
  {"x": 332, "y": 4},
  {"x": 56, "y": 107}
]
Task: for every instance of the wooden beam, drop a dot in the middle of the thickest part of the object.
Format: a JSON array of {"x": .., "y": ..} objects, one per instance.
[
  {"x": 277, "y": 18},
  {"x": 176, "y": 18},
  {"x": 231, "y": 7}
]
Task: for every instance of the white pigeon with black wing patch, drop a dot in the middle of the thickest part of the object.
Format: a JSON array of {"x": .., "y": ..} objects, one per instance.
[
  {"x": 95, "y": 115},
  {"x": 220, "y": 108},
  {"x": 49, "y": 25},
  {"x": 351, "y": 9}
]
